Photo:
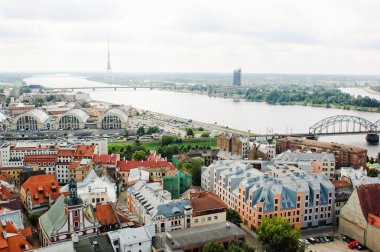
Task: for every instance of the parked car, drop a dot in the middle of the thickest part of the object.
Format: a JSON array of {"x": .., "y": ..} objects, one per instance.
[
  {"x": 361, "y": 247},
  {"x": 330, "y": 238},
  {"x": 353, "y": 244},
  {"x": 311, "y": 240},
  {"x": 317, "y": 240},
  {"x": 326, "y": 239}
]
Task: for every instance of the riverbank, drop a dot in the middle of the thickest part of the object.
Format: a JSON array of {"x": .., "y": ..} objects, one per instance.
[
  {"x": 237, "y": 98},
  {"x": 370, "y": 90}
]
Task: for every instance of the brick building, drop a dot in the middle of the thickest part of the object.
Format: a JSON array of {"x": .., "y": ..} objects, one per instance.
[{"x": 345, "y": 155}]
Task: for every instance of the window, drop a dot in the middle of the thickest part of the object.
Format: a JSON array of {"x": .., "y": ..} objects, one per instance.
[
  {"x": 139, "y": 243},
  {"x": 195, "y": 220},
  {"x": 76, "y": 224},
  {"x": 215, "y": 217}
]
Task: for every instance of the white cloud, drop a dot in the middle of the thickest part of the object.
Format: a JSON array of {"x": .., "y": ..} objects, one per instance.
[{"x": 293, "y": 36}]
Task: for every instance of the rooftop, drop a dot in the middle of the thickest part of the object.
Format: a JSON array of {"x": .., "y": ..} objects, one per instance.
[
  {"x": 128, "y": 165},
  {"x": 206, "y": 201},
  {"x": 325, "y": 145},
  {"x": 198, "y": 235},
  {"x": 369, "y": 197}
]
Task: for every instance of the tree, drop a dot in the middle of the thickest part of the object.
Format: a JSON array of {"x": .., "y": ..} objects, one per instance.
[
  {"x": 233, "y": 216},
  {"x": 279, "y": 234},
  {"x": 152, "y": 130},
  {"x": 240, "y": 246},
  {"x": 373, "y": 172},
  {"x": 205, "y": 134},
  {"x": 167, "y": 140},
  {"x": 139, "y": 155},
  {"x": 126, "y": 133},
  {"x": 189, "y": 132},
  {"x": 212, "y": 246},
  {"x": 140, "y": 131},
  {"x": 196, "y": 170},
  {"x": 85, "y": 105}
]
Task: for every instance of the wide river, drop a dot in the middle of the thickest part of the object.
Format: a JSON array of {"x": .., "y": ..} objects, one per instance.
[{"x": 258, "y": 117}]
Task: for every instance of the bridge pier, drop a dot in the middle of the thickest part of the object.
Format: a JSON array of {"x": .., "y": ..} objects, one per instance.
[
  {"x": 134, "y": 88},
  {"x": 93, "y": 89},
  {"x": 372, "y": 138},
  {"x": 312, "y": 137},
  {"x": 115, "y": 89}
]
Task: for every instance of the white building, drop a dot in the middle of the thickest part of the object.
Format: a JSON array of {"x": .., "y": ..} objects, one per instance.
[
  {"x": 94, "y": 189},
  {"x": 132, "y": 239},
  {"x": 113, "y": 118},
  {"x": 357, "y": 176},
  {"x": 153, "y": 205},
  {"x": 72, "y": 120},
  {"x": 64, "y": 157},
  {"x": 31, "y": 120}
]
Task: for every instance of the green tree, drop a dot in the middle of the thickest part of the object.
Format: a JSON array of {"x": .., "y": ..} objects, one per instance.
[
  {"x": 205, "y": 134},
  {"x": 167, "y": 140},
  {"x": 126, "y": 133},
  {"x": 196, "y": 170},
  {"x": 152, "y": 130},
  {"x": 373, "y": 172},
  {"x": 85, "y": 105},
  {"x": 189, "y": 132},
  {"x": 233, "y": 216},
  {"x": 279, "y": 234},
  {"x": 139, "y": 155},
  {"x": 240, "y": 246},
  {"x": 140, "y": 131},
  {"x": 212, "y": 246}
]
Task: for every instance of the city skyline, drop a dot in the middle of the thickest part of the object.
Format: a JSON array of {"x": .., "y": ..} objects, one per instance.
[{"x": 270, "y": 37}]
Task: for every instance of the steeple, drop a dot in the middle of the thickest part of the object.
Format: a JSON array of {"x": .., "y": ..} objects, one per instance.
[
  {"x": 72, "y": 199},
  {"x": 109, "y": 71}
]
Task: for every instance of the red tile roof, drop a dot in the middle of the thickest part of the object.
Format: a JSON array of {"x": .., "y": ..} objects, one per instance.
[
  {"x": 16, "y": 242},
  {"x": 41, "y": 187},
  {"x": 128, "y": 165},
  {"x": 105, "y": 159},
  {"x": 105, "y": 215},
  {"x": 66, "y": 152},
  {"x": 84, "y": 151},
  {"x": 40, "y": 157},
  {"x": 207, "y": 201},
  {"x": 341, "y": 183},
  {"x": 154, "y": 157},
  {"x": 369, "y": 197},
  {"x": 5, "y": 193}
]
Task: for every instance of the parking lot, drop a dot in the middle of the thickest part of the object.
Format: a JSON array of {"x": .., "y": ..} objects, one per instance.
[{"x": 336, "y": 246}]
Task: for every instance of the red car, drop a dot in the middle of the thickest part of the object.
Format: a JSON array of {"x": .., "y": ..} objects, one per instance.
[{"x": 353, "y": 244}]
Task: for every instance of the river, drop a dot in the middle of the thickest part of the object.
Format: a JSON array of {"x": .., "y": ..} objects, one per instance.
[{"x": 258, "y": 117}]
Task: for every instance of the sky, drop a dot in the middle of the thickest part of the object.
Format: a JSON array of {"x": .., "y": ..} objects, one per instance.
[{"x": 271, "y": 36}]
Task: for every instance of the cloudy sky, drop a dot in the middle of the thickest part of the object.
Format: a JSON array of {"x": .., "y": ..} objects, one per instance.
[{"x": 271, "y": 36}]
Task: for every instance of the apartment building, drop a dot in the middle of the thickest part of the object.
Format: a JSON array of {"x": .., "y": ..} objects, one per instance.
[
  {"x": 345, "y": 155},
  {"x": 64, "y": 158},
  {"x": 309, "y": 162},
  {"x": 153, "y": 205},
  {"x": 306, "y": 200},
  {"x": 233, "y": 143}
]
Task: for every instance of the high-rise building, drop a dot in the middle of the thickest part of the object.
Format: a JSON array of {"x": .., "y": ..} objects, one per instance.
[{"x": 237, "y": 77}]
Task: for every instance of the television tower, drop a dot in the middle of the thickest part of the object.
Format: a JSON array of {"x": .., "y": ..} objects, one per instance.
[{"x": 109, "y": 71}]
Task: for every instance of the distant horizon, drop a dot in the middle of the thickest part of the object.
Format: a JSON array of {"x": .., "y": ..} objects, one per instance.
[{"x": 182, "y": 72}]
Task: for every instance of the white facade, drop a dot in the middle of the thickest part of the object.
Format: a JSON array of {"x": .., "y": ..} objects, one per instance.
[
  {"x": 153, "y": 205},
  {"x": 132, "y": 239},
  {"x": 94, "y": 189}
]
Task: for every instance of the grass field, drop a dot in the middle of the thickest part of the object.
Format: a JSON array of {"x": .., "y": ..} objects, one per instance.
[{"x": 153, "y": 145}]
